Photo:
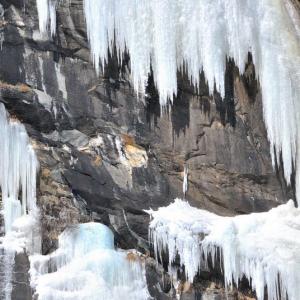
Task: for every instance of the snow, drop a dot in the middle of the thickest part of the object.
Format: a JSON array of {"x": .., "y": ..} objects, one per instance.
[
  {"x": 259, "y": 246},
  {"x": 87, "y": 267}
]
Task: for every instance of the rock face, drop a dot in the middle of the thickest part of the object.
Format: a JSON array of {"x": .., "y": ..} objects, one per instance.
[{"x": 107, "y": 155}]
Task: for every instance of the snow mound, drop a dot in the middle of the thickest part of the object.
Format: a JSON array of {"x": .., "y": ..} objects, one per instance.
[{"x": 263, "y": 247}]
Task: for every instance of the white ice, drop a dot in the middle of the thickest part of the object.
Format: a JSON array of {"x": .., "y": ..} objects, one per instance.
[
  {"x": 87, "y": 267},
  {"x": 259, "y": 246}
]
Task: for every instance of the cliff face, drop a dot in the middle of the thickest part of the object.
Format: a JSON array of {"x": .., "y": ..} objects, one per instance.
[{"x": 106, "y": 154}]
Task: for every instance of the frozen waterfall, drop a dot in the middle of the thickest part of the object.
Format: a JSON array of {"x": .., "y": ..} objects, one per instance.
[
  {"x": 18, "y": 168},
  {"x": 199, "y": 35},
  {"x": 263, "y": 247},
  {"x": 87, "y": 267}
]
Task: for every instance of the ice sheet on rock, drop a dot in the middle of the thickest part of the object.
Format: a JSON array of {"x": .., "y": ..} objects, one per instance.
[
  {"x": 260, "y": 246},
  {"x": 87, "y": 267}
]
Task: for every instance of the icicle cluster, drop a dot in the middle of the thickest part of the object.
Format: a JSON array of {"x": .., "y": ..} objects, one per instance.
[
  {"x": 263, "y": 247},
  {"x": 18, "y": 168},
  {"x": 194, "y": 35},
  {"x": 87, "y": 267},
  {"x": 47, "y": 15}
]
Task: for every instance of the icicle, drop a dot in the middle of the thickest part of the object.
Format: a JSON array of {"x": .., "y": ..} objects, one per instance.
[
  {"x": 185, "y": 180},
  {"x": 18, "y": 168},
  {"x": 87, "y": 267},
  {"x": 262, "y": 247},
  {"x": 198, "y": 35},
  {"x": 47, "y": 15}
]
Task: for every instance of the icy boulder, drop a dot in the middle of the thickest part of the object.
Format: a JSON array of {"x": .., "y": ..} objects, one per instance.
[
  {"x": 263, "y": 247},
  {"x": 87, "y": 267}
]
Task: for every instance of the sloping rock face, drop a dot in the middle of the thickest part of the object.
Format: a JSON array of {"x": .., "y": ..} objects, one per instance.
[{"x": 107, "y": 155}]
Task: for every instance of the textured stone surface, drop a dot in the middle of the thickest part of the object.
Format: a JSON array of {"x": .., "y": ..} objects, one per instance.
[{"x": 106, "y": 155}]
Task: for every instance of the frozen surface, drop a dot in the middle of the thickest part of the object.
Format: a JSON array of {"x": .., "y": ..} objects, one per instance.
[
  {"x": 171, "y": 35},
  {"x": 87, "y": 267},
  {"x": 260, "y": 246}
]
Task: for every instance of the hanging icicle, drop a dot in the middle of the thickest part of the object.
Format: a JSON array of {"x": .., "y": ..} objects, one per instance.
[{"x": 167, "y": 34}]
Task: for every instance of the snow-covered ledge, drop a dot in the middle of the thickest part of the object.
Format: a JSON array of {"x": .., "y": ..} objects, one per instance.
[{"x": 263, "y": 247}]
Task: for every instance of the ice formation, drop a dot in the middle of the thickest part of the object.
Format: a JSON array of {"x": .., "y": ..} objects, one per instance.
[
  {"x": 263, "y": 247},
  {"x": 18, "y": 167},
  {"x": 47, "y": 15},
  {"x": 194, "y": 35},
  {"x": 87, "y": 267}
]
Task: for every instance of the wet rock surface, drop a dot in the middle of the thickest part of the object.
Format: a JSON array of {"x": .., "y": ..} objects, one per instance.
[{"x": 107, "y": 155}]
